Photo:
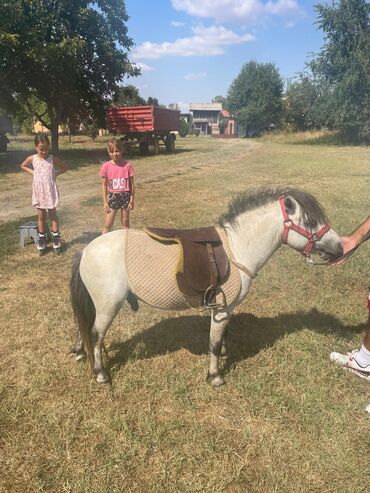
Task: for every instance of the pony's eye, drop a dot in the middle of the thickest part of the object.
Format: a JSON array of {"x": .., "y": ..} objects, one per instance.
[{"x": 311, "y": 224}]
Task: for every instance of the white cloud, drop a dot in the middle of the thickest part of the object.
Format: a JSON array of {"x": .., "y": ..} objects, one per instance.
[
  {"x": 283, "y": 7},
  {"x": 177, "y": 24},
  {"x": 246, "y": 11},
  {"x": 290, "y": 24},
  {"x": 144, "y": 67},
  {"x": 198, "y": 76},
  {"x": 205, "y": 41}
]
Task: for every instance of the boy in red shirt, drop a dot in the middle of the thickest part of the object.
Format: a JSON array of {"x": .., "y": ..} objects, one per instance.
[{"x": 117, "y": 186}]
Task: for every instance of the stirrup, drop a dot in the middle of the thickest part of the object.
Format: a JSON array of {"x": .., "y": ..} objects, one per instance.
[{"x": 211, "y": 292}]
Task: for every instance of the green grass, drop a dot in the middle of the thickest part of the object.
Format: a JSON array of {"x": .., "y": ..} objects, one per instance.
[{"x": 286, "y": 420}]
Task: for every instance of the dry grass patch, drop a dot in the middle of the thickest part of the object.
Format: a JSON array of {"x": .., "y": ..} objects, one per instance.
[{"x": 286, "y": 420}]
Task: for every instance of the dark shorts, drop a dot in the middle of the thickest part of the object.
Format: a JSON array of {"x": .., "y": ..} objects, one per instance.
[{"x": 119, "y": 200}]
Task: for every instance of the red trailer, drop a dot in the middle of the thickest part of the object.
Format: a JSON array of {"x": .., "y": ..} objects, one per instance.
[{"x": 146, "y": 126}]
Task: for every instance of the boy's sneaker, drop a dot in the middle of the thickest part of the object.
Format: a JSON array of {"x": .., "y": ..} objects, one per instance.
[
  {"x": 348, "y": 361},
  {"x": 56, "y": 240},
  {"x": 41, "y": 242}
]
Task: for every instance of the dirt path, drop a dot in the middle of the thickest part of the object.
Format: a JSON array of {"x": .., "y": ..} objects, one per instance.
[{"x": 83, "y": 184}]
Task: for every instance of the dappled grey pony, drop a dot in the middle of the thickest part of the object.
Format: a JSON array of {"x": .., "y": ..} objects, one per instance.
[{"x": 130, "y": 265}]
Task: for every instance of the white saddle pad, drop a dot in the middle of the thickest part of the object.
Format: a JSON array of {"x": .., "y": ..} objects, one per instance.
[{"x": 151, "y": 267}]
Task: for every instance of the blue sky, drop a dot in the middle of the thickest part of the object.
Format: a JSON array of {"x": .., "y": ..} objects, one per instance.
[{"x": 191, "y": 50}]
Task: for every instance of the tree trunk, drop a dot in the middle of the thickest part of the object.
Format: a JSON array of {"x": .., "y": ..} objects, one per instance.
[
  {"x": 54, "y": 115},
  {"x": 54, "y": 135}
]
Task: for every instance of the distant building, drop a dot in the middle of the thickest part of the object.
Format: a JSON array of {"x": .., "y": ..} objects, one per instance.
[
  {"x": 39, "y": 128},
  {"x": 206, "y": 117},
  {"x": 211, "y": 119},
  {"x": 228, "y": 125}
]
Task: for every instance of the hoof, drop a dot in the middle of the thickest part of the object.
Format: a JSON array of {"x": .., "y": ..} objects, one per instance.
[
  {"x": 80, "y": 357},
  {"x": 216, "y": 381},
  {"x": 102, "y": 378}
]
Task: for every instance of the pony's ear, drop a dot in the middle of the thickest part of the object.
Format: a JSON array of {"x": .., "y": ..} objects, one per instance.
[{"x": 289, "y": 204}]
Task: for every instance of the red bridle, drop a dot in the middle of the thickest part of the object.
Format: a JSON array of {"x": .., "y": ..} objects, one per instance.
[{"x": 289, "y": 224}]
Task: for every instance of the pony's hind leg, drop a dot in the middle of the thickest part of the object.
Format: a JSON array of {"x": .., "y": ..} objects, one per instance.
[
  {"x": 217, "y": 347},
  {"x": 100, "y": 328},
  {"x": 78, "y": 349},
  {"x": 103, "y": 271}
]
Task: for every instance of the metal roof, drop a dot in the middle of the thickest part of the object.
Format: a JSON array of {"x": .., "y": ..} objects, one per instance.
[{"x": 205, "y": 106}]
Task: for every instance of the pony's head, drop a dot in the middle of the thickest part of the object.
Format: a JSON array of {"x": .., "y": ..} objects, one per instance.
[
  {"x": 301, "y": 220},
  {"x": 306, "y": 227}
]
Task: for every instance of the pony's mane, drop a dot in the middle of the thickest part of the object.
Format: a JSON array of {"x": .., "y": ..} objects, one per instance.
[{"x": 311, "y": 209}]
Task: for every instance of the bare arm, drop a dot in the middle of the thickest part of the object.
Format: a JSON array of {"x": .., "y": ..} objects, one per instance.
[
  {"x": 357, "y": 236},
  {"x": 60, "y": 166},
  {"x": 131, "y": 204},
  {"x": 104, "y": 189},
  {"x": 26, "y": 165}
]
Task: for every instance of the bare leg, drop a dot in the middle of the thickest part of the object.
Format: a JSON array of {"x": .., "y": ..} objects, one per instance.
[
  {"x": 109, "y": 220},
  {"x": 367, "y": 335},
  {"x": 125, "y": 215},
  {"x": 41, "y": 220},
  {"x": 54, "y": 220},
  {"x": 219, "y": 322}
]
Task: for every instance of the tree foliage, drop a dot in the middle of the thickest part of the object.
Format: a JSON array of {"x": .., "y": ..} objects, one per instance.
[
  {"x": 66, "y": 55},
  {"x": 220, "y": 99},
  {"x": 255, "y": 96},
  {"x": 306, "y": 104},
  {"x": 128, "y": 96},
  {"x": 184, "y": 128},
  {"x": 343, "y": 66}
]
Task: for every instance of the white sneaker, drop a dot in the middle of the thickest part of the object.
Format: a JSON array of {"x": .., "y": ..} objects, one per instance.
[
  {"x": 359, "y": 370},
  {"x": 348, "y": 361},
  {"x": 342, "y": 359}
]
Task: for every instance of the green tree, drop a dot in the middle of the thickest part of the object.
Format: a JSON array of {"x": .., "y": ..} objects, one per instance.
[
  {"x": 306, "y": 103},
  {"x": 220, "y": 99},
  {"x": 66, "y": 56},
  {"x": 184, "y": 128},
  {"x": 128, "y": 96},
  {"x": 152, "y": 101},
  {"x": 343, "y": 64},
  {"x": 255, "y": 96}
]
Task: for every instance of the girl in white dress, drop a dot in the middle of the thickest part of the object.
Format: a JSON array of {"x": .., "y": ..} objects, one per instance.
[{"x": 45, "y": 168}]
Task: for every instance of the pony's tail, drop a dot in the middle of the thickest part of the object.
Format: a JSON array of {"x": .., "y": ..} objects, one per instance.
[{"x": 83, "y": 307}]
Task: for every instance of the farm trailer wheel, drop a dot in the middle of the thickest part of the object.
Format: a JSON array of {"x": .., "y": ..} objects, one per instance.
[
  {"x": 153, "y": 146},
  {"x": 170, "y": 143},
  {"x": 143, "y": 146}
]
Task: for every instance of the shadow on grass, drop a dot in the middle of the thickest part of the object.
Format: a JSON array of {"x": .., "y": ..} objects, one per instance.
[
  {"x": 9, "y": 236},
  {"x": 247, "y": 335},
  {"x": 85, "y": 238},
  {"x": 74, "y": 158},
  {"x": 11, "y": 161}
]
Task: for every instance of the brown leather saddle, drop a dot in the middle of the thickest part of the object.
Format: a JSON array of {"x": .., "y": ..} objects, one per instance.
[{"x": 202, "y": 266}]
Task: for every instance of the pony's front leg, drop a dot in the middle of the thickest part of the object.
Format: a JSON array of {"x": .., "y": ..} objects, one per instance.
[{"x": 217, "y": 346}]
